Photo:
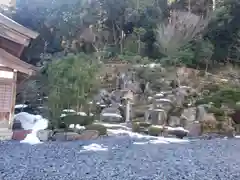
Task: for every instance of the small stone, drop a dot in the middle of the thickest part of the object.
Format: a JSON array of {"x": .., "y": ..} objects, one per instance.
[
  {"x": 88, "y": 135},
  {"x": 44, "y": 135},
  {"x": 20, "y": 134}
]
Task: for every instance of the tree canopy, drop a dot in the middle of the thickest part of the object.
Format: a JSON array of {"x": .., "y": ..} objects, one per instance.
[{"x": 112, "y": 27}]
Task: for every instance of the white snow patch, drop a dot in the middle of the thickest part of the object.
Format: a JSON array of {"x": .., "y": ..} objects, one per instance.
[
  {"x": 94, "y": 147},
  {"x": 69, "y": 110},
  {"x": 27, "y": 120},
  {"x": 77, "y": 126},
  {"x": 80, "y": 127},
  {"x": 177, "y": 128},
  {"x": 82, "y": 113},
  {"x": 72, "y": 126},
  {"x": 163, "y": 100},
  {"x": 140, "y": 143},
  {"x": 63, "y": 115},
  {"x": 40, "y": 107},
  {"x": 111, "y": 115},
  {"x": 19, "y": 106},
  {"x": 34, "y": 123},
  {"x": 108, "y": 125},
  {"x": 159, "y": 141},
  {"x": 171, "y": 128},
  {"x": 150, "y": 97},
  {"x": 31, "y": 139},
  {"x": 159, "y": 94},
  {"x": 151, "y": 139}
]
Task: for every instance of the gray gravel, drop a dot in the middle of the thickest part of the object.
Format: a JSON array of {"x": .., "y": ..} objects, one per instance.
[{"x": 198, "y": 160}]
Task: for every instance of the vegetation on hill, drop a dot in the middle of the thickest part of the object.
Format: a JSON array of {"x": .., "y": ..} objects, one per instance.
[{"x": 196, "y": 33}]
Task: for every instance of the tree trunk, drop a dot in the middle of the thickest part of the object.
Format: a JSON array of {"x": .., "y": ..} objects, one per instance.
[
  {"x": 189, "y": 6},
  {"x": 139, "y": 44},
  {"x": 206, "y": 69},
  {"x": 121, "y": 41},
  {"x": 213, "y": 5},
  {"x": 114, "y": 33}
]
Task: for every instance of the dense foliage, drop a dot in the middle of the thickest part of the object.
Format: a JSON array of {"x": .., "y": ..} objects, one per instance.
[
  {"x": 71, "y": 81},
  {"x": 143, "y": 27}
]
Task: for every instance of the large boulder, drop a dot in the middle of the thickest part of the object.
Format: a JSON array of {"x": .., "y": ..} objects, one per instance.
[
  {"x": 65, "y": 136},
  {"x": 179, "y": 132},
  {"x": 44, "y": 135},
  {"x": 73, "y": 136},
  {"x": 89, "y": 135},
  {"x": 158, "y": 116},
  {"x": 201, "y": 112},
  {"x": 190, "y": 114},
  {"x": 101, "y": 129},
  {"x": 236, "y": 116},
  {"x": 20, "y": 134},
  {"x": 111, "y": 115},
  {"x": 174, "y": 121},
  {"x": 163, "y": 103},
  {"x": 208, "y": 123},
  {"x": 194, "y": 129}
]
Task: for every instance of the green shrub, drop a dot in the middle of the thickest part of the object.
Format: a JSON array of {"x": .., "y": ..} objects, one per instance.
[
  {"x": 216, "y": 111},
  {"x": 144, "y": 124},
  {"x": 212, "y": 87},
  {"x": 98, "y": 127},
  {"x": 139, "y": 119},
  {"x": 155, "y": 131},
  {"x": 62, "y": 125},
  {"x": 50, "y": 126},
  {"x": 140, "y": 126},
  {"x": 136, "y": 127},
  {"x": 177, "y": 111},
  {"x": 77, "y": 119},
  {"x": 219, "y": 126},
  {"x": 226, "y": 96},
  {"x": 139, "y": 114},
  {"x": 220, "y": 118}
]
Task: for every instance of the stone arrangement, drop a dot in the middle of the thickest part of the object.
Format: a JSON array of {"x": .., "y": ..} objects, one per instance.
[{"x": 169, "y": 109}]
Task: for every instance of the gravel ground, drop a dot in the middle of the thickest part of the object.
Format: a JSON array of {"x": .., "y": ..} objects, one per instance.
[{"x": 124, "y": 160}]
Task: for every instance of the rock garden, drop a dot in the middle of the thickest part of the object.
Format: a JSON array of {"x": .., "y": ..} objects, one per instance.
[{"x": 121, "y": 90}]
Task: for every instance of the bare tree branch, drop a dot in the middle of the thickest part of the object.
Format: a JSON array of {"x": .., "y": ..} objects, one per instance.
[{"x": 181, "y": 28}]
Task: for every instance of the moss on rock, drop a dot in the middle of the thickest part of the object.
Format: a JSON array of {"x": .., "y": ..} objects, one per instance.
[
  {"x": 229, "y": 96},
  {"x": 140, "y": 126},
  {"x": 136, "y": 127},
  {"x": 155, "y": 130},
  {"x": 98, "y": 127},
  {"x": 216, "y": 111},
  {"x": 77, "y": 119}
]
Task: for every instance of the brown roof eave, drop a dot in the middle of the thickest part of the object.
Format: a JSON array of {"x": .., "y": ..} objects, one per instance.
[
  {"x": 17, "y": 27},
  {"x": 13, "y": 62}
]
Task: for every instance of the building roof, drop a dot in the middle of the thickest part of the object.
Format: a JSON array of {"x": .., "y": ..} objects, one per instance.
[
  {"x": 8, "y": 60},
  {"x": 13, "y": 31}
]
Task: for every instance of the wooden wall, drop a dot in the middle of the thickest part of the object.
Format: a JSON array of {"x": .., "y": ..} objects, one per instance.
[{"x": 11, "y": 47}]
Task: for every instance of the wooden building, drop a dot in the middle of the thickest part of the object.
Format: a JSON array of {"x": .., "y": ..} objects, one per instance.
[{"x": 13, "y": 39}]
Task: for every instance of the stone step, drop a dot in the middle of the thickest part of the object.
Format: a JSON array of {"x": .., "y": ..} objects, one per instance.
[{"x": 5, "y": 134}]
